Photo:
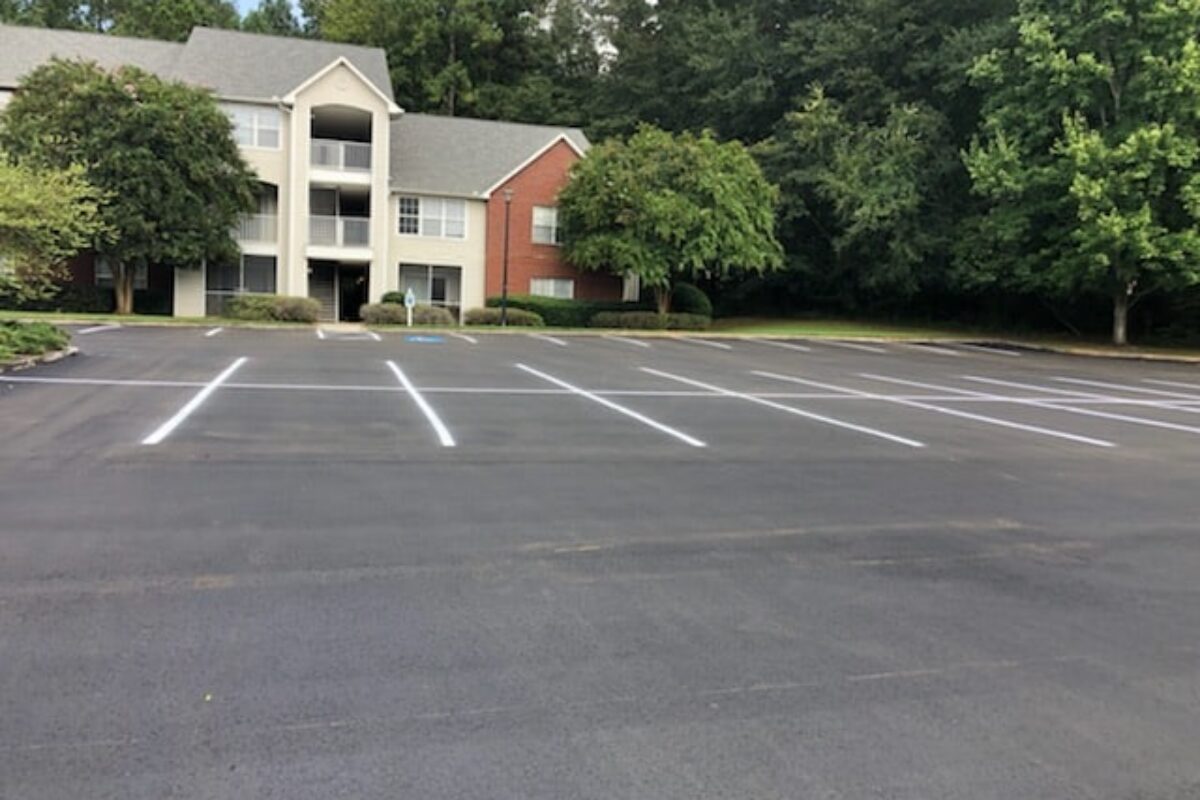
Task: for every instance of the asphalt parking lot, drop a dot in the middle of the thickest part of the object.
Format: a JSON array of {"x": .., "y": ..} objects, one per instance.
[{"x": 275, "y": 564}]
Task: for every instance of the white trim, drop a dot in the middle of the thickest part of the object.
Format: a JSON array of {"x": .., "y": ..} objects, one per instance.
[
  {"x": 562, "y": 137},
  {"x": 392, "y": 108}
]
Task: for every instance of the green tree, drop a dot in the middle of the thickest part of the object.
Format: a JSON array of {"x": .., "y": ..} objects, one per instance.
[
  {"x": 162, "y": 152},
  {"x": 170, "y": 20},
  {"x": 669, "y": 207},
  {"x": 46, "y": 217},
  {"x": 274, "y": 17},
  {"x": 1090, "y": 151}
]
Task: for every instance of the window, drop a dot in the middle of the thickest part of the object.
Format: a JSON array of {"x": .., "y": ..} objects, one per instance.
[
  {"x": 255, "y": 127},
  {"x": 104, "y": 275},
  {"x": 631, "y": 288},
  {"x": 440, "y": 217},
  {"x": 434, "y": 286},
  {"x": 562, "y": 288},
  {"x": 545, "y": 225},
  {"x": 223, "y": 281}
]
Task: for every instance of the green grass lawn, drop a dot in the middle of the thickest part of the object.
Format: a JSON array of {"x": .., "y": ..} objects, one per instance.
[{"x": 770, "y": 326}]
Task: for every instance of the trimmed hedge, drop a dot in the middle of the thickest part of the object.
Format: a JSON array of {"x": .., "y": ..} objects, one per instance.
[
  {"x": 392, "y": 298},
  {"x": 516, "y": 317},
  {"x": 272, "y": 308},
  {"x": 650, "y": 321},
  {"x": 688, "y": 299},
  {"x": 30, "y": 339},
  {"x": 559, "y": 313},
  {"x": 387, "y": 313}
]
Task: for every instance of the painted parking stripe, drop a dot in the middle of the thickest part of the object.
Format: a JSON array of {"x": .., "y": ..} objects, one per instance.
[
  {"x": 97, "y": 329},
  {"x": 994, "y": 351},
  {"x": 550, "y": 339},
  {"x": 373, "y": 336},
  {"x": 620, "y": 409},
  {"x": 950, "y": 412},
  {"x": 182, "y": 414},
  {"x": 784, "y": 345},
  {"x": 320, "y": 333},
  {"x": 213, "y": 333},
  {"x": 439, "y": 427},
  {"x": 865, "y": 348},
  {"x": 1182, "y": 400},
  {"x": 705, "y": 342},
  {"x": 932, "y": 348},
  {"x": 837, "y": 423},
  {"x": 1177, "y": 384},
  {"x": 627, "y": 340},
  {"x": 465, "y": 338},
  {"x": 1087, "y": 412}
]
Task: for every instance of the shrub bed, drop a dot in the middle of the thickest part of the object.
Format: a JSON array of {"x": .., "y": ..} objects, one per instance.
[
  {"x": 559, "y": 313},
  {"x": 29, "y": 339},
  {"x": 387, "y": 313},
  {"x": 516, "y": 317},
  {"x": 688, "y": 299},
  {"x": 272, "y": 308},
  {"x": 650, "y": 321}
]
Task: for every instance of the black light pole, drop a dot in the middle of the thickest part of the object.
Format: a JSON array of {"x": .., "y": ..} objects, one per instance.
[{"x": 508, "y": 196}]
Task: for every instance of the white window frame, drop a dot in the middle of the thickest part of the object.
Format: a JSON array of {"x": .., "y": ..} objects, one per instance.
[
  {"x": 549, "y": 219},
  {"x": 442, "y": 218},
  {"x": 104, "y": 278},
  {"x": 425, "y": 297},
  {"x": 257, "y": 116},
  {"x": 550, "y": 287}
]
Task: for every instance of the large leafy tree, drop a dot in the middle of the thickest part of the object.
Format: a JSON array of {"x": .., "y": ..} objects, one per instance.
[
  {"x": 669, "y": 207},
  {"x": 275, "y": 17},
  {"x": 170, "y": 20},
  {"x": 162, "y": 153},
  {"x": 46, "y": 217},
  {"x": 1090, "y": 151}
]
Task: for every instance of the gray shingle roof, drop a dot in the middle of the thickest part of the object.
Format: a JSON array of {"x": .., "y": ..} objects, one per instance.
[
  {"x": 462, "y": 156},
  {"x": 233, "y": 64},
  {"x": 249, "y": 65},
  {"x": 24, "y": 49}
]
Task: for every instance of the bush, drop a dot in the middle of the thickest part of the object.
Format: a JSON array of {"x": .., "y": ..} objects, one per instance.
[
  {"x": 29, "y": 339},
  {"x": 688, "y": 299},
  {"x": 272, "y": 308},
  {"x": 560, "y": 313},
  {"x": 516, "y": 317},
  {"x": 392, "y": 298},
  {"x": 386, "y": 313},
  {"x": 649, "y": 321},
  {"x": 71, "y": 297}
]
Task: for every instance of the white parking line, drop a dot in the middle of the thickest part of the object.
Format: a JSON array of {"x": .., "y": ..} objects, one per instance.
[
  {"x": 951, "y": 412},
  {"x": 620, "y": 409},
  {"x": 705, "y": 342},
  {"x": 1087, "y": 412},
  {"x": 174, "y": 422},
  {"x": 1181, "y": 398},
  {"x": 443, "y": 433},
  {"x": 213, "y": 333},
  {"x": 785, "y": 345},
  {"x": 550, "y": 339},
  {"x": 374, "y": 336},
  {"x": 837, "y": 423},
  {"x": 932, "y": 348},
  {"x": 465, "y": 338},
  {"x": 995, "y": 351},
  {"x": 1192, "y": 386},
  {"x": 627, "y": 340},
  {"x": 865, "y": 348},
  {"x": 320, "y": 333},
  {"x": 98, "y": 329}
]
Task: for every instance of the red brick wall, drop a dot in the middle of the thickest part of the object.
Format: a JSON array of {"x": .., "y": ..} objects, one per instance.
[{"x": 536, "y": 185}]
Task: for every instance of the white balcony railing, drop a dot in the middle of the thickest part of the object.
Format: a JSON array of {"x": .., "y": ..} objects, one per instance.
[
  {"x": 339, "y": 231},
  {"x": 341, "y": 156},
  {"x": 257, "y": 228}
]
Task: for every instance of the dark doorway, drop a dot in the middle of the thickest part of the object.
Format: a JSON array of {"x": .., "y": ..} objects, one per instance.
[{"x": 352, "y": 292}]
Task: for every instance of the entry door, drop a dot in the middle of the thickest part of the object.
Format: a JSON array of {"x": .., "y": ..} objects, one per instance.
[{"x": 322, "y": 287}]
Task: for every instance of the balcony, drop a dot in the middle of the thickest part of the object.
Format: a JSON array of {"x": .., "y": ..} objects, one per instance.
[
  {"x": 338, "y": 156},
  {"x": 325, "y": 231},
  {"x": 257, "y": 229}
]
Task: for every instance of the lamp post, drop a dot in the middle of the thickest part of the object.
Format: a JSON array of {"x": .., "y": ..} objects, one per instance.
[{"x": 508, "y": 196}]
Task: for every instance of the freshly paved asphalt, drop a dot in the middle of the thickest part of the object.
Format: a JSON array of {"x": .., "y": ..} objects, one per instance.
[{"x": 300, "y": 593}]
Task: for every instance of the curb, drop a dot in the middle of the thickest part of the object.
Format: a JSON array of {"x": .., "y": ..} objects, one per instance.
[{"x": 25, "y": 362}]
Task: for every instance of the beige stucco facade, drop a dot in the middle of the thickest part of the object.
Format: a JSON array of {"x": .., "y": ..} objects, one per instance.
[{"x": 467, "y": 254}]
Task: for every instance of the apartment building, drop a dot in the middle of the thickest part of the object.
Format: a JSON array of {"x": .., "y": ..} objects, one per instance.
[{"x": 357, "y": 197}]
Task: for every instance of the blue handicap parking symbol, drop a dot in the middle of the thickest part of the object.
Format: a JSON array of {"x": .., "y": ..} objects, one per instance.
[{"x": 418, "y": 339}]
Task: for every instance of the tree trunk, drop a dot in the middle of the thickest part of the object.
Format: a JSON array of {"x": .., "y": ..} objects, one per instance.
[
  {"x": 662, "y": 295},
  {"x": 123, "y": 287},
  {"x": 1120, "y": 331}
]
